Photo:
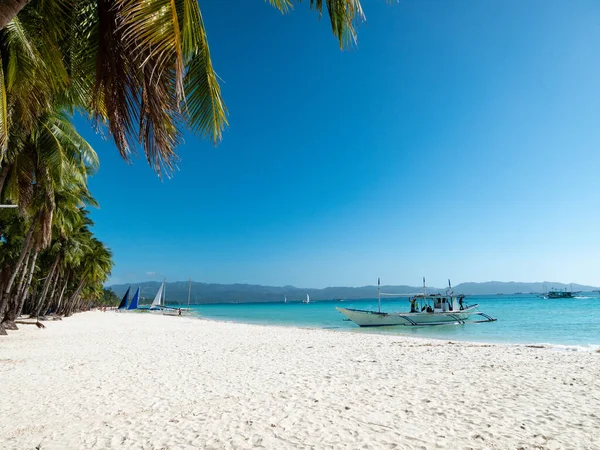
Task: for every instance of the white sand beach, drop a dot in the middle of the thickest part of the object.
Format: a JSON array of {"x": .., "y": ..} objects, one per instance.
[{"x": 108, "y": 380}]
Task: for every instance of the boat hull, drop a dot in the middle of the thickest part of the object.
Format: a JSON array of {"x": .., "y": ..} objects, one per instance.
[{"x": 364, "y": 318}]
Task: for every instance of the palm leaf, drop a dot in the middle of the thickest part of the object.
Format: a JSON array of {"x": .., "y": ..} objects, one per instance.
[
  {"x": 343, "y": 15},
  {"x": 151, "y": 27},
  {"x": 116, "y": 89},
  {"x": 205, "y": 105},
  {"x": 282, "y": 5}
]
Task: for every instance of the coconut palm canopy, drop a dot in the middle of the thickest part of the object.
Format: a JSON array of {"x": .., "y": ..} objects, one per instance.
[{"x": 143, "y": 68}]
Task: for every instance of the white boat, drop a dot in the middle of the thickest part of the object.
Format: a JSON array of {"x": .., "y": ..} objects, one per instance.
[
  {"x": 159, "y": 306},
  {"x": 432, "y": 309},
  {"x": 307, "y": 299},
  {"x": 156, "y": 303}
]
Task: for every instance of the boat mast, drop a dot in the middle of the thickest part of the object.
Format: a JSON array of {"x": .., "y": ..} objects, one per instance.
[
  {"x": 424, "y": 287},
  {"x": 379, "y": 294},
  {"x": 164, "y": 292},
  {"x": 189, "y": 292}
]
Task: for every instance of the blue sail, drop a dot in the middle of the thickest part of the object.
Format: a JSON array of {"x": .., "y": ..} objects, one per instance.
[
  {"x": 134, "y": 300},
  {"x": 123, "y": 303}
]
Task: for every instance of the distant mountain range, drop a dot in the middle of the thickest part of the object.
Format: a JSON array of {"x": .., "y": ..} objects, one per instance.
[{"x": 177, "y": 291}]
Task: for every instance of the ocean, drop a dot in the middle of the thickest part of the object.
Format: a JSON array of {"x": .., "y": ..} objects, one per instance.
[{"x": 522, "y": 319}]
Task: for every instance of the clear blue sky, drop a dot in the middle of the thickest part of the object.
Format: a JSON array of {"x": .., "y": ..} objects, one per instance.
[{"x": 459, "y": 139}]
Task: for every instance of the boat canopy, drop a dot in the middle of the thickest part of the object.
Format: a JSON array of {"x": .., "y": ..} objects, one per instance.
[{"x": 436, "y": 302}]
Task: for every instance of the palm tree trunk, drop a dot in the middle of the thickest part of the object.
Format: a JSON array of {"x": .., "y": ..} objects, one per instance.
[
  {"x": 9, "y": 9},
  {"x": 4, "y": 275},
  {"x": 24, "y": 273},
  {"x": 3, "y": 176},
  {"x": 21, "y": 291},
  {"x": 11, "y": 311},
  {"x": 28, "y": 284},
  {"x": 11, "y": 280},
  {"x": 48, "y": 300},
  {"x": 47, "y": 281},
  {"x": 74, "y": 297},
  {"x": 53, "y": 292},
  {"x": 62, "y": 293}
]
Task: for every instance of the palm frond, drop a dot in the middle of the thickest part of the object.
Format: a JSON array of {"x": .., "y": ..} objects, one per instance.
[
  {"x": 116, "y": 88},
  {"x": 282, "y": 5},
  {"x": 205, "y": 105},
  {"x": 76, "y": 149},
  {"x": 344, "y": 15},
  {"x": 152, "y": 28},
  {"x": 159, "y": 112}
]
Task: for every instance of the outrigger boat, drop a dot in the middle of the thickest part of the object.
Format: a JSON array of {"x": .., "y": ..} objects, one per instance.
[
  {"x": 557, "y": 293},
  {"x": 426, "y": 309}
]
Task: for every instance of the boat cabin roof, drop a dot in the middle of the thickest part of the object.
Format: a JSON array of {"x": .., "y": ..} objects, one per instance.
[{"x": 436, "y": 296}]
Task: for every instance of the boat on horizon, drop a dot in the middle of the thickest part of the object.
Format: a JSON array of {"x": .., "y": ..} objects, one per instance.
[
  {"x": 307, "y": 299},
  {"x": 425, "y": 309},
  {"x": 560, "y": 293}
]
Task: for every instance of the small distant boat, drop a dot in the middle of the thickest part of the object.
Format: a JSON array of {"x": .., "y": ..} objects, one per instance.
[
  {"x": 557, "y": 293},
  {"x": 425, "y": 309},
  {"x": 284, "y": 299},
  {"x": 307, "y": 299}
]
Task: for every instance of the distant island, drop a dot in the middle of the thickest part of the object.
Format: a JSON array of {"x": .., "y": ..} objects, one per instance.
[{"x": 204, "y": 293}]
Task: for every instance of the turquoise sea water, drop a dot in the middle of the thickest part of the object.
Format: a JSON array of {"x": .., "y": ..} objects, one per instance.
[{"x": 524, "y": 319}]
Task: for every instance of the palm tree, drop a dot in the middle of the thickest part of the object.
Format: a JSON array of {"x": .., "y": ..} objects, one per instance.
[
  {"x": 48, "y": 178},
  {"x": 140, "y": 66}
]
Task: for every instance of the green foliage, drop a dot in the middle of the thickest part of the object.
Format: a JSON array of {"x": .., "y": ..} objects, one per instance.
[{"x": 108, "y": 298}]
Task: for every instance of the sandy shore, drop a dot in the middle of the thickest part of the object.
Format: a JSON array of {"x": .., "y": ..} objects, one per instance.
[{"x": 107, "y": 380}]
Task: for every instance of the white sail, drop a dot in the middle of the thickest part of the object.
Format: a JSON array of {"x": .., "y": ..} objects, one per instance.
[
  {"x": 307, "y": 298},
  {"x": 156, "y": 303}
]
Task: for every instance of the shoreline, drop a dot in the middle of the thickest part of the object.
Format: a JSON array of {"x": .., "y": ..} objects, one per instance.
[
  {"x": 106, "y": 380},
  {"x": 591, "y": 348}
]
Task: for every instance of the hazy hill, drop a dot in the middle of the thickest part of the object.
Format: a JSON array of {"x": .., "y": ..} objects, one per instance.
[{"x": 177, "y": 292}]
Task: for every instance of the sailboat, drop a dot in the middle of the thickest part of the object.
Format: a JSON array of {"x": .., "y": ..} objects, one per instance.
[
  {"x": 156, "y": 303},
  {"x": 307, "y": 299},
  {"x": 134, "y": 301},
  {"x": 284, "y": 299},
  {"x": 123, "y": 304},
  {"x": 159, "y": 303}
]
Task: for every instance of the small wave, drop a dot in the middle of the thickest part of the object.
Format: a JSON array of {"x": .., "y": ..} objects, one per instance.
[{"x": 575, "y": 348}]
